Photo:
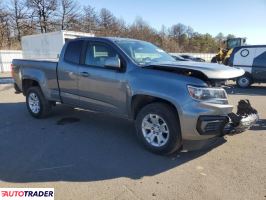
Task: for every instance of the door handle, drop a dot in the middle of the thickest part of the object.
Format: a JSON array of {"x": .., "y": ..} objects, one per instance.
[{"x": 84, "y": 74}]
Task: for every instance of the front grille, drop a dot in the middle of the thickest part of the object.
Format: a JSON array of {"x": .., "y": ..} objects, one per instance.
[{"x": 213, "y": 126}]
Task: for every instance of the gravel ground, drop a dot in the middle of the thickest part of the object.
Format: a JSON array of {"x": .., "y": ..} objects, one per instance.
[{"x": 86, "y": 155}]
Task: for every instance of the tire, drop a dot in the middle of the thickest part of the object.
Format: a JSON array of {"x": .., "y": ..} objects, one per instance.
[
  {"x": 244, "y": 81},
  {"x": 170, "y": 141},
  {"x": 17, "y": 90},
  {"x": 37, "y": 105}
]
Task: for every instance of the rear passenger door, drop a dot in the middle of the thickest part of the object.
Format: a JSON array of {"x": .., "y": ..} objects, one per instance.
[{"x": 100, "y": 88}]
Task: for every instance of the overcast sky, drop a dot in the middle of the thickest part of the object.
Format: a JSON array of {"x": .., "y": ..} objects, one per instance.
[{"x": 243, "y": 18}]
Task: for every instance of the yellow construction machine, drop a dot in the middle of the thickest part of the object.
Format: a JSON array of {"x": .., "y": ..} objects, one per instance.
[{"x": 224, "y": 53}]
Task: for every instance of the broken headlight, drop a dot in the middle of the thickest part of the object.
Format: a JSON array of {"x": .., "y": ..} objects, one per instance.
[{"x": 214, "y": 95}]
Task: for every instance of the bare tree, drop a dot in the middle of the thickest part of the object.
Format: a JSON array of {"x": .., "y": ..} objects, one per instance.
[
  {"x": 168, "y": 43},
  {"x": 90, "y": 20},
  {"x": 122, "y": 28},
  {"x": 143, "y": 31},
  {"x": 25, "y": 17},
  {"x": 177, "y": 30},
  {"x": 229, "y": 36},
  {"x": 4, "y": 28},
  {"x": 219, "y": 39},
  {"x": 19, "y": 16},
  {"x": 44, "y": 11},
  {"x": 189, "y": 31},
  {"x": 107, "y": 23},
  {"x": 68, "y": 14}
]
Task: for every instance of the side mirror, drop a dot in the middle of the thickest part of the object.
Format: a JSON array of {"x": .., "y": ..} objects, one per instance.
[{"x": 112, "y": 62}]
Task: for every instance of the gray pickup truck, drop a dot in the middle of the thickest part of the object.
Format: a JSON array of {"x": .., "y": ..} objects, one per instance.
[{"x": 172, "y": 102}]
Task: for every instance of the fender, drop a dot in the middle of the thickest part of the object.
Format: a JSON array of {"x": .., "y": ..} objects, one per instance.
[
  {"x": 38, "y": 76},
  {"x": 155, "y": 95}
]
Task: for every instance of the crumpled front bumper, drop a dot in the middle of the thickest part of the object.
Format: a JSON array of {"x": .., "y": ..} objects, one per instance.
[
  {"x": 241, "y": 123},
  {"x": 211, "y": 128},
  {"x": 229, "y": 124}
]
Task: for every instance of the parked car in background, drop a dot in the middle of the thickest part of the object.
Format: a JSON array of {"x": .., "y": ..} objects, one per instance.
[
  {"x": 172, "y": 103},
  {"x": 179, "y": 58},
  {"x": 192, "y": 58}
]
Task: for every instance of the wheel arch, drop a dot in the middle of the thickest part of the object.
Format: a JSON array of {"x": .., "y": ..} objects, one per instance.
[
  {"x": 34, "y": 77},
  {"x": 138, "y": 101},
  {"x": 27, "y": 83},
  {"x": 248, "y": 74}
]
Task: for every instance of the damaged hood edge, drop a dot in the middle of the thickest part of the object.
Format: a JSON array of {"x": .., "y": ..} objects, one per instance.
[{"x": 210, "y": 70}]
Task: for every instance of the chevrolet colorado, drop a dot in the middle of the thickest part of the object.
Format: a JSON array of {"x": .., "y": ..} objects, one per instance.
[{"x": 172, "y": 102}]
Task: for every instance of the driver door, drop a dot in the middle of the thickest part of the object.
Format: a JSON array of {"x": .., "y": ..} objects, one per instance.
[{"x": 101, "y": 88}]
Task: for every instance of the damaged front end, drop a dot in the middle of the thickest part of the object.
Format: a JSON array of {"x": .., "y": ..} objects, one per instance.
[
  {"x": 212, "y": 98},
  {"x": 245, "y": 117},
  {"x": 233, "y": 123}
]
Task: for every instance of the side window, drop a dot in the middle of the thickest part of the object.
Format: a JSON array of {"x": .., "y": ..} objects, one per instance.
[
  {"x": 73, "y": 51},
  {"x": 97, "y": 53}
]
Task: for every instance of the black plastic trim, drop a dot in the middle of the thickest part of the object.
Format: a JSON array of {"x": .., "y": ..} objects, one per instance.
[{"x": 205, "y": 118}]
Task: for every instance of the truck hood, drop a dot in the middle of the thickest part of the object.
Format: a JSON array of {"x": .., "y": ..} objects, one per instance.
[{"x": 210, "y": 70}]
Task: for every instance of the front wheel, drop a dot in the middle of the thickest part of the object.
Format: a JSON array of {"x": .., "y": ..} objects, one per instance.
[
  {"x": 37, "y": 105},
  {"x": 244, "y": 81},
  {"x": 158, "y": 128}
]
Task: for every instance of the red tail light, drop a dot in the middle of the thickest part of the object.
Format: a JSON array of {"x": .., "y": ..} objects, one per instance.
[{"x": 12, "y": 70}]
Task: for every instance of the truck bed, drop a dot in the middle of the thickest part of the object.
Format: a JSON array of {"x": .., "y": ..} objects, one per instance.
[
  {"x": 44, "y": 70},
  {"x": 34, "y": 63}
]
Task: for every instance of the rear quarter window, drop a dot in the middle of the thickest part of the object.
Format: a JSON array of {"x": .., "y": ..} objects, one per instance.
[{"x": 73, "y": 52}]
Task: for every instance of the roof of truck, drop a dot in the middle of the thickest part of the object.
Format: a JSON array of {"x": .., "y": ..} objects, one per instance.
[{"x": 113, "y": 39}]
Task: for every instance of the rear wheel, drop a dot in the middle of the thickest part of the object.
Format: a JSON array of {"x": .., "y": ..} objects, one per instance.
[
  {"x": 37, "y": 105},
  {"x": 244, "y": 81},
  {"x": 158, "y": 128}
]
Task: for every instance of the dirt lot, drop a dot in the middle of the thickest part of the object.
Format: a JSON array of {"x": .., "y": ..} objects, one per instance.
[{"x": 92, "y": 156}]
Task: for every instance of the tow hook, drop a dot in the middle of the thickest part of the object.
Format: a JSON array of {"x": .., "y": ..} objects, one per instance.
[{"x": 245, "y": 117}]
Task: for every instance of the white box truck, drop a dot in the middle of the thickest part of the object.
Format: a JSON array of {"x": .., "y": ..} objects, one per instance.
[{"x": 47, "y": 46}]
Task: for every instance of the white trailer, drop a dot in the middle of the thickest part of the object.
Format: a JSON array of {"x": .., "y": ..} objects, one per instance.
[{"x": 47, "y": 46}]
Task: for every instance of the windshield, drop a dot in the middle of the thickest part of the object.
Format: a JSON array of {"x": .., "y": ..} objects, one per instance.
[
  {"x": 232, "y": 43},
  {"x": 144, "y": 53}
]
